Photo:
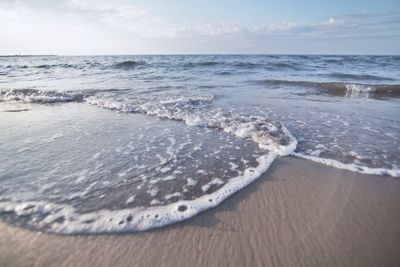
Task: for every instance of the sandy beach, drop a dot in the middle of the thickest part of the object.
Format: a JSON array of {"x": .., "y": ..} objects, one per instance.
[{"x": 299, "y": 213}]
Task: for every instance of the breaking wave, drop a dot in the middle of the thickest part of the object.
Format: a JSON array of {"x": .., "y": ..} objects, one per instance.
[
  {"x": 108, "y": 185},
  {"x": 198, "y": 111},
  {"x": 339, "y": 88},
  {"x": 272, "y": 137},
  {"x": 38, "y": 96},
  {"x": 49, "y": 66},
  {"x": 194, "y": 111}
]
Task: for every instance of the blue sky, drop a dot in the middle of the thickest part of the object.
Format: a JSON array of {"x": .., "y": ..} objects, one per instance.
[{"x": 207, "y": 26}]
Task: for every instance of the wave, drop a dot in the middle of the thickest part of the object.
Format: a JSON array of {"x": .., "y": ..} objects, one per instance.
[
  {"x": 39, "y": 96},
  {"x": 49, "y": 66},
  {"x": 202, "y": 64},
  {"x": 284, "y": 65},
  {"x": 242, "y": 65},
  {"x": 334, "y": 61},
  {"x": 350, "y": 167},
  {"x": 16, "y": 110},
  {"x": 246, "y": 65},
  {"x": 224, "y": 73},
  {"x": 359, "y": 77},
  {"x": 340, "y": 88},
  {"x": 195, "y": 111},
  {"x": 126, "y": 65},
  {"x": 237, "y": 64},
  {"x": 271, "y": 136},
  {"x": 63, "y": 218}
]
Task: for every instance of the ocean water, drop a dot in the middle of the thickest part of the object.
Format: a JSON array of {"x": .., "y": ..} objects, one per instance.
[{"x": 106, "y": 144}]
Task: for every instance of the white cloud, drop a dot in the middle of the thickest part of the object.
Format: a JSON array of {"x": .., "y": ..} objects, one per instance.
[
  {"x": 131, "y": 18},
  {"x": 101, "y": 27},
  {"x": 231, "y": 29},
  {"x": 330, "y": 21},
  {"x": 215, "y": 29},
  {"x": 334, "y": 22}
]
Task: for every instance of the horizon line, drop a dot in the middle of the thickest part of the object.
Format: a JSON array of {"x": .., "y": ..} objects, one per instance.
[{"x": 199, "y": 54}]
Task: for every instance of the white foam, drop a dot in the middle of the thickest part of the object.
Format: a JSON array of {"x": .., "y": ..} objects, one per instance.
[
  {"x": 358, "y": 90},
  {"x": 191, "y": 182},
  {"x": 269, "y": 135},
  {"x": 152, "y": 192},
  {"x": 130, "y": 199},
  {"x": 38, "y": 96},
  {"x": 234, "y": 166},
  {"x": 215, "y": 181},
  {"x": 182, "y": 99},
  {"x": 165, "y": 169},
  {"x": 204, "y": 172},
  {"x": 350, "y": 167},
  {"x": 137, "y": 219},
  {"x": 168, "y": 178}
]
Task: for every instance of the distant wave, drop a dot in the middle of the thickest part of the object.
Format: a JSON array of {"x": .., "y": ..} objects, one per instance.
[
  {"x": 334, "y": 61},
  {"x": 284, "y": 65},
  {"x": 132, "y": 64},
  {"x": 359, "y": 77},
  {"x": 246, "y": 65},
  {"x": 202, "y": 64},
  {"x": 126, "y": 65},
  {"x": 339, "y": 88},
  {"x": 48, "y": 66},
  {"x": 243, "y": 65},
  {"x": 225, "y": 73}
]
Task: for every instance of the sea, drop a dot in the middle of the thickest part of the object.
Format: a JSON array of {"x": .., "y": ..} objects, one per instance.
[{"x": 117, "y": 144}]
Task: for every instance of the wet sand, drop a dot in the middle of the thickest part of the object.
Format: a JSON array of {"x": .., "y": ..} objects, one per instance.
[{"x": 299, "y": 213}]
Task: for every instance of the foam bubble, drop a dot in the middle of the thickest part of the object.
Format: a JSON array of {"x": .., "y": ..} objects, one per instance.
[{"x": 351, "y": 167}]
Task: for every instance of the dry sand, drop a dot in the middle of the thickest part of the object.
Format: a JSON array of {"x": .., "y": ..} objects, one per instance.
[{"x": 298, "y": 214}]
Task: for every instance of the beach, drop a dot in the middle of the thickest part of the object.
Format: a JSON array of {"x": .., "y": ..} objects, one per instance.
[
  {"x": 299, "y": 213},
  {"x": 199, "y": 133}
]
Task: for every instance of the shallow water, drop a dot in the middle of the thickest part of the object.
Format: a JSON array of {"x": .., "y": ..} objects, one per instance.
[{"x": 126, "y": 143}]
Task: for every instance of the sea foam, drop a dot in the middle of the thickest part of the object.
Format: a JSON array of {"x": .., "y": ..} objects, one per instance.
[
  {"x": 197, "y": 111},
  {"x": 38, "y": 96},
  {"x": 194, "y": 111},
  {"x": 350, "y": 167},
  {"x": 64, "y": 219}
]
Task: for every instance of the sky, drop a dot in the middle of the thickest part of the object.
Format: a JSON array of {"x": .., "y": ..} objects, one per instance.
[{"x": 98, "y": 27}]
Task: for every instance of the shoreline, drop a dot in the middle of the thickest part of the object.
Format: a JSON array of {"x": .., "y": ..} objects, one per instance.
[{"x": 298, "y": 213}]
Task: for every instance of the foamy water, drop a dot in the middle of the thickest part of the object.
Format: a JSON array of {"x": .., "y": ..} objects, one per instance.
[{"x": 129, "y": 143}]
